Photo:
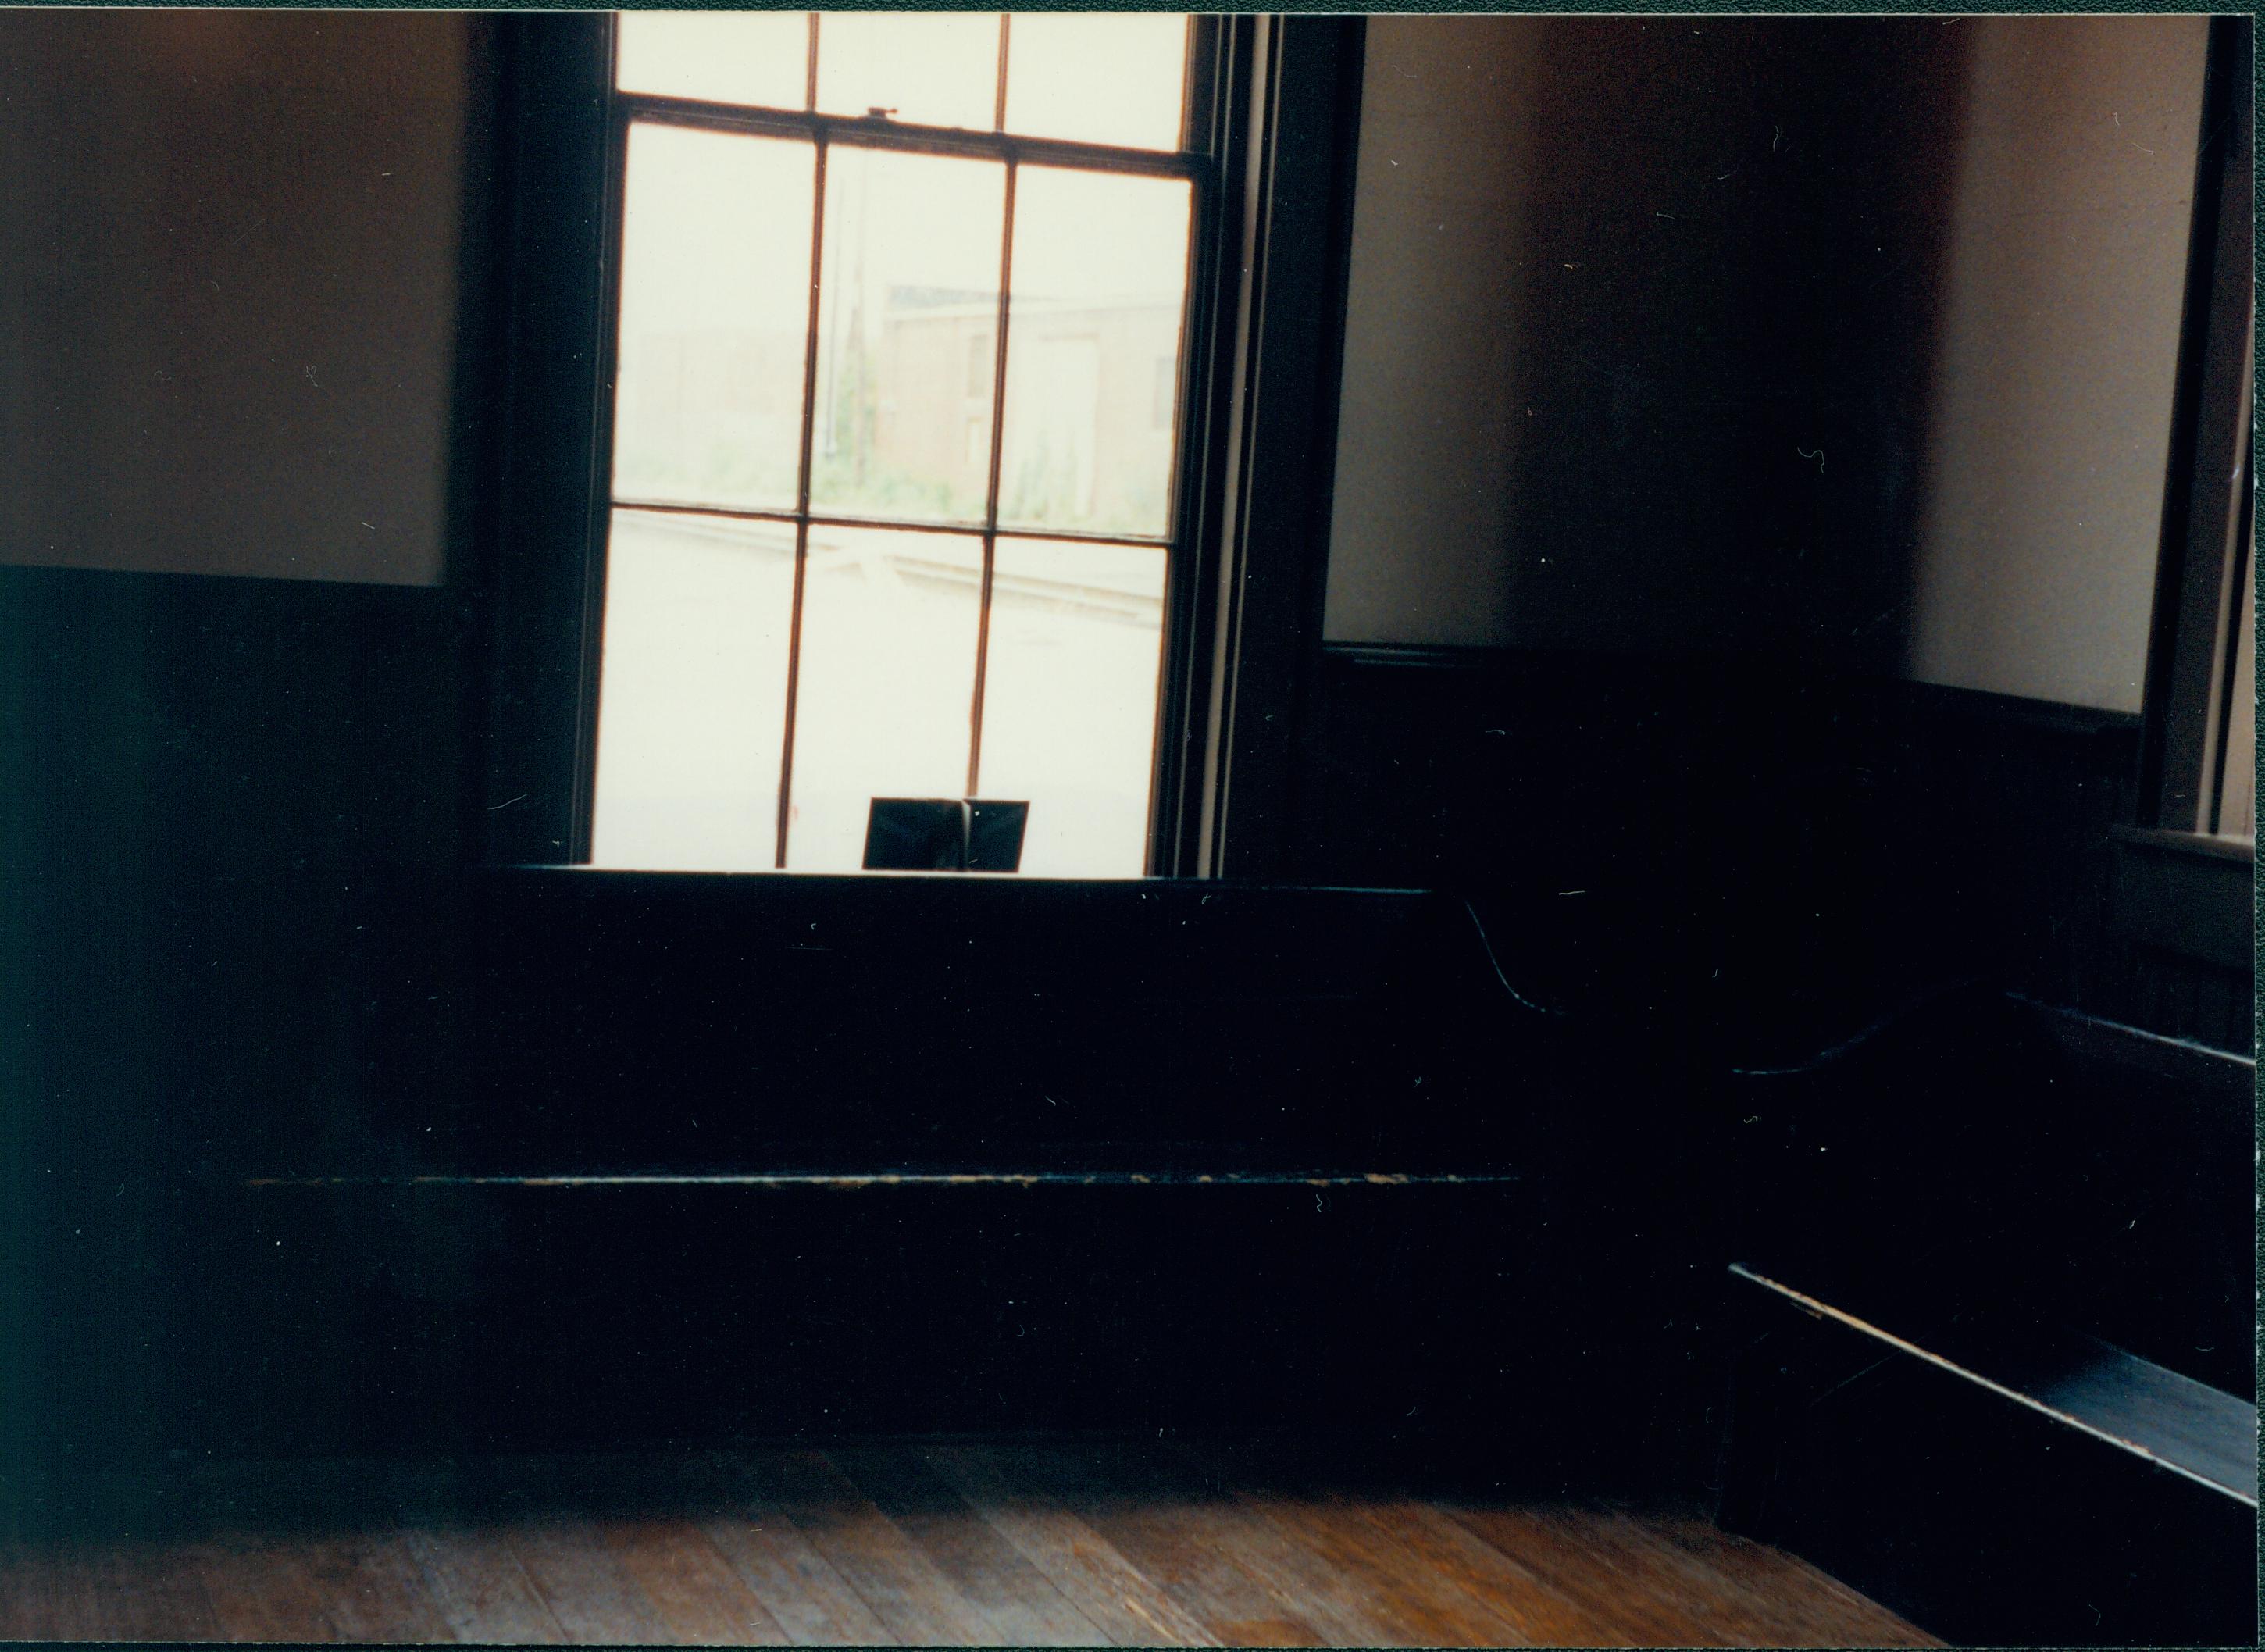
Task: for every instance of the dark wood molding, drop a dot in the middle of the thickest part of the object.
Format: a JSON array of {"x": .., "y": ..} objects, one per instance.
[
  {"x": 1218, "y": 117},
  {"x": 1273, "y": 456},
  {"x": 1925, "y": 697},
  {"x": 548, "y": 568},
  {"x": 1982, "y": 704},
  {"x": 481, "y": 379}
]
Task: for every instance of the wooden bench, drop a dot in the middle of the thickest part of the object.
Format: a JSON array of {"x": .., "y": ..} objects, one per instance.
[
  {"x": 1990, "y": 1327},
  {"x": 699, "y": 1154}
]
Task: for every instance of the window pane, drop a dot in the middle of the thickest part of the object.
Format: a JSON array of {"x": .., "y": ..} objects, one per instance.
[
  {"x": 1100, "y": 284},
  {"x": 715, "y": 317},
  {"x": 933, "y": 69},
  {"x": 750, "y": 57},
  {"x": 909, "y": 298},
  {"x": 887, "y": 682},
  {"x": 1069, "y": 700},
  {"x": 1099, "y": 77},
  {"x": 693, "y": 705}
]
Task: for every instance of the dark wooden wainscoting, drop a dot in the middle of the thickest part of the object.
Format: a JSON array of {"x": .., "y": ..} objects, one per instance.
[{"x": 1734, "y": 847}]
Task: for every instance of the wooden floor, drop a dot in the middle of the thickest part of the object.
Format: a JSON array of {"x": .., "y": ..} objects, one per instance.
[{"x": 1052, "y": 1545}]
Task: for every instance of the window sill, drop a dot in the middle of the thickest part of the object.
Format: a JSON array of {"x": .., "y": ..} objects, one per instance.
[
  {"x": 2196, "y": 843},
  {"x": 2187, "y": 893}
]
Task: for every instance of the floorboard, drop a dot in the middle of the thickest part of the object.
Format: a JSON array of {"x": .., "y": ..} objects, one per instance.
[
  {"x": 1018, "y": 1602},
  {"x": 812, "y": 1603},
  {"x": 483, "y": 1593},
  {"x": 1112, "y": 1593},
  {"x": 585, "y": 1582},
  {"x": 958, "y": 1542}
]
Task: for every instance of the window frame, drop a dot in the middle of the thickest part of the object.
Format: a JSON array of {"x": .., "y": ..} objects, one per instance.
[
  {"x": 1273, "y": 105},
  {"x": 2206, "y": 566}
]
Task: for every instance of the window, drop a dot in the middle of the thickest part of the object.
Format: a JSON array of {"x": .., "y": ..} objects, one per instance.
[
  {"x": 2199, "y": 779},
  {"x": 2183, "y": 883},
  {"x": 903, "y": 314}
]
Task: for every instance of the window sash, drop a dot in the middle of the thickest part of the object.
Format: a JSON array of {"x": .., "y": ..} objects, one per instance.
[{"x": 826, "y": 132}]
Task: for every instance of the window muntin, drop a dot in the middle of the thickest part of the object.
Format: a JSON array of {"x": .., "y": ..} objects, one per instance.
[{"x": 907, "y": 641}]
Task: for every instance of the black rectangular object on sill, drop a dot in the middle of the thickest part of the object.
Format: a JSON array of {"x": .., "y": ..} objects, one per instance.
[{"x": 944, "y": 835}]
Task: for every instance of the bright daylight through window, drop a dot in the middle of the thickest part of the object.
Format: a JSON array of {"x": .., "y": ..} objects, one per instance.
[{"x": 897, "y": 430}]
